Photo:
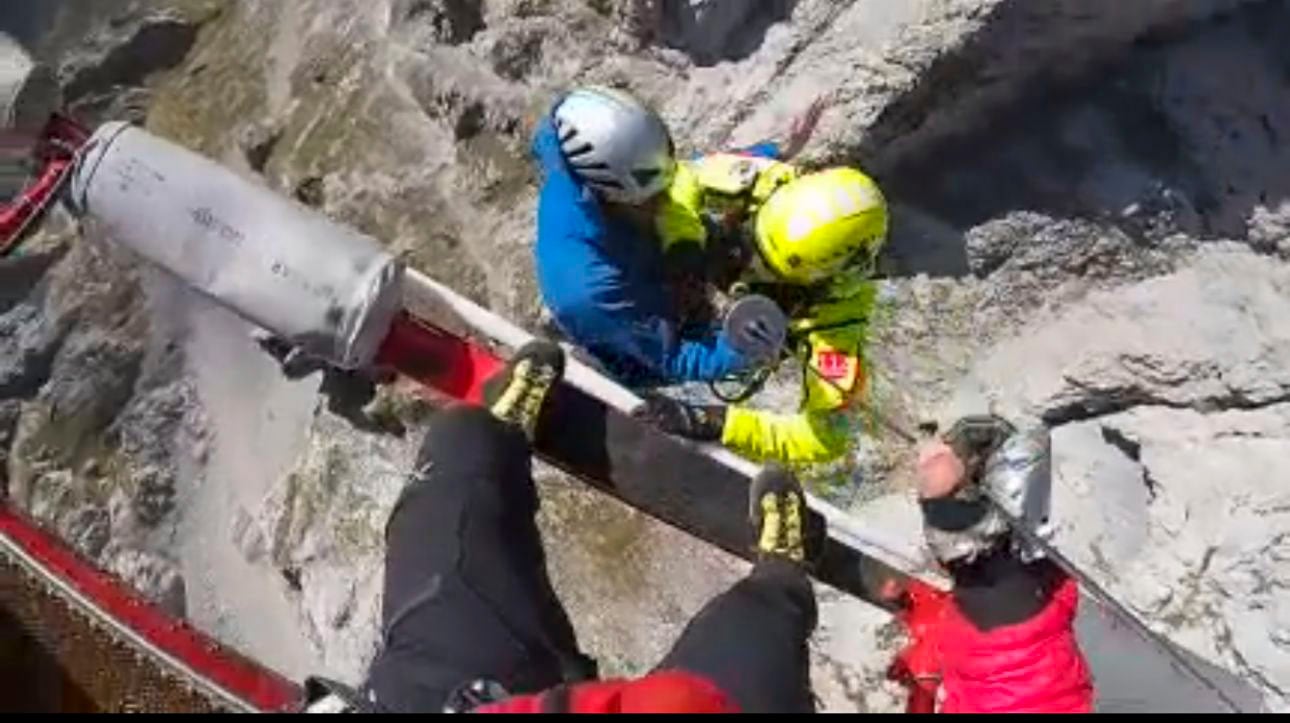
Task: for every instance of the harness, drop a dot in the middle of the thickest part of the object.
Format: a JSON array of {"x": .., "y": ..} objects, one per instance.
[{"x": 739, "y": 388}]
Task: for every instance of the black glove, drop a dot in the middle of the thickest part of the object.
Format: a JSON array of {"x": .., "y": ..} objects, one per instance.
[
  {"x": 756, "y": 327},
  {"x": 703, "y": 423}
]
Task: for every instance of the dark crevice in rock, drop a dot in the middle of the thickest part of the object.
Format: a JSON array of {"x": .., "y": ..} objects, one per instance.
[
  {"x": 518, "y": 54},
  {"x": 1094, "y": 407},
  {"x": 714, "y": 32},
  {"x": 311, "y": 192},
  {"x": 919, "y": 121},
  {"x": 1206, "y": 560},
  {"x": 1151, "y": 483},
  {"x": 471, "y": 122},
  {"x": 37, "y": 367},
  {"x": 156, "y": 46},
  {"x": 30, "y": 347},
  {"x": 1132, "y": 450},
  {"x": 1116, "y": 438},
  {"x": 292, "y": 576},
  {"x": 1243, "y": 665},
  {"x": 1110, "y": 402},
  {"x": 1113, "y": 136},
  {"x": 21, "y": 275},
  {"x": 260, "y": 151},
  {"x": 453, "y": 21},
  {"x": 1037, "y": 139},
  {"x": 9, "y": 412}
]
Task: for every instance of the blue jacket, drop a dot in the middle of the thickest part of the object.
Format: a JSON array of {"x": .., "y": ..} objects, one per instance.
[{"x": 603, "y": 281}]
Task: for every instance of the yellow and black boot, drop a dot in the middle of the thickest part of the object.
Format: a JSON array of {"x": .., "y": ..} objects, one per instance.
[
  {"x": 518, "y": 393},
  {"x": 780, "y": 517}
]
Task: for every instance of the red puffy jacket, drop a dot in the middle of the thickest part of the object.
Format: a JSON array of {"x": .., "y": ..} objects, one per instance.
[
  {"x": 1035, "y": 666},
  {"x": 670, "y": 692}
]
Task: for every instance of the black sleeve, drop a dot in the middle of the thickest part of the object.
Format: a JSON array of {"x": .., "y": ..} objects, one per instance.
[{"x": 998, "y": 589}]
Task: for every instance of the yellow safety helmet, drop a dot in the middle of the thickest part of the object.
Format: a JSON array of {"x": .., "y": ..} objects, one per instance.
[{"x": 816, "y": 226}]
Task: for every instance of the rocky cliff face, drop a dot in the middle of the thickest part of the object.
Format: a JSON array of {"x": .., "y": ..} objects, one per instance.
[{"x": 1091, "y": 227}]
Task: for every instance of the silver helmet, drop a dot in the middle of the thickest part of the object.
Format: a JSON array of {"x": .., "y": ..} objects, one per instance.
[{"x": 617, "y": 146}]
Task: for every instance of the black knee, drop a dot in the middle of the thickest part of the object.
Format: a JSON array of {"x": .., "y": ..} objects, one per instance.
[
  {"x": 468, "y": 460},
  {"x": 785, "y": 585},
  {"x": 468, "y": 449},
  {"x": 465, "y": 436}
]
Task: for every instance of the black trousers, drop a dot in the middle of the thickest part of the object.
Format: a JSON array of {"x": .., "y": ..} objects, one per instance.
[{"x": 467, "y": 595}]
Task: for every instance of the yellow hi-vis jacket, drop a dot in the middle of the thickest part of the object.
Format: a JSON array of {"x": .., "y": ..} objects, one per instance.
[{"x": 726, "y": 189}]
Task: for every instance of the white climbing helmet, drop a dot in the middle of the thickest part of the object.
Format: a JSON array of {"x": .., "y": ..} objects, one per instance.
[{"x": 617, "y": 146}]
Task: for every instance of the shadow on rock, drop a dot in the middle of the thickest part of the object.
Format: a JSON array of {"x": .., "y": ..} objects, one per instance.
[
  {"x": 1160, "y": 143},
  {"x": 20, "y": 275},
  {"x": 715, "y": 31}
]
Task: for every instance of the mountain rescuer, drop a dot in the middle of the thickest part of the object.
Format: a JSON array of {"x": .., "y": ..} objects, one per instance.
[
  {"x": 471, "y": 622},
  {"x": 606, "y": 161},
  {"x": 807, "y": 241},
  {"x": 622, "y": 227}
]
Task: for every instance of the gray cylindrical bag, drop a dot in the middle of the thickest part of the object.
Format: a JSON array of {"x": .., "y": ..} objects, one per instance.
[{"x": 326, "y": 288}]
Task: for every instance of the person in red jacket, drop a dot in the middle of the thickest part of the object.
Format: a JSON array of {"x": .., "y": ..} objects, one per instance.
[
  {"x": 1006, "y": 642},
  {"x": 472, "y": 624}
]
